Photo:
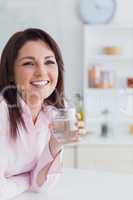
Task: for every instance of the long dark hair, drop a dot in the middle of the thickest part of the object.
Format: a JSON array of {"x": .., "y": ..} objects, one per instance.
[{"x": 7, "y": 84}]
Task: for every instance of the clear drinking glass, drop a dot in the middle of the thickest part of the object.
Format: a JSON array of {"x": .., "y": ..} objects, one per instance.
[{"x": 64, "y": 123}]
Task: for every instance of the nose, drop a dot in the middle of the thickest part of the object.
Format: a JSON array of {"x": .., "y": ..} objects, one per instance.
[{"x": 41, "y": 70}]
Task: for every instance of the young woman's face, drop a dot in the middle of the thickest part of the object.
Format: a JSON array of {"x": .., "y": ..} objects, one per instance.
[{"x": 36, "y": 70}]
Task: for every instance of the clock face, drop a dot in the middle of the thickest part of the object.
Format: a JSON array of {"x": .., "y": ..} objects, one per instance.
[{"x": 97, "y": 11}]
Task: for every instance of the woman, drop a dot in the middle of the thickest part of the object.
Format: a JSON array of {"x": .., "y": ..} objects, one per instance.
[{"x": 31, "y": 85}]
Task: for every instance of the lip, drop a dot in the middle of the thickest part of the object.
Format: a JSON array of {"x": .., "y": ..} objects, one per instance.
[{"x": 39, "y": 83}]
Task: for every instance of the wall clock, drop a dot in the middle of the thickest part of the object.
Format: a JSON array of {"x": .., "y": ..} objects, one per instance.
[{"x": 97, "y": 11}]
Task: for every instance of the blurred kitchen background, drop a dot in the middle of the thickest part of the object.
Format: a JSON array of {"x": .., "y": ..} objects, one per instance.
[{"x": 96, "y": 40}]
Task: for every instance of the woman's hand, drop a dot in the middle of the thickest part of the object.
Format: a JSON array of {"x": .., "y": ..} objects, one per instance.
[{"x": 57, "y": 141}]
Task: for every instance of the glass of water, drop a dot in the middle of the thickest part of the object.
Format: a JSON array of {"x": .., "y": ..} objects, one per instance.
[{"x": 64, "y": 123}]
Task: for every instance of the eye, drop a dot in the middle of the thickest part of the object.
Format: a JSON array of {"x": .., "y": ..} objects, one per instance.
[
  {"x": 28, "y": 64},
  {"x": 49, "y": 62}
]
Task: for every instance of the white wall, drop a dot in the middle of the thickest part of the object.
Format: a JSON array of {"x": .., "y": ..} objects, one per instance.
[{"x": 61, "y": 19}]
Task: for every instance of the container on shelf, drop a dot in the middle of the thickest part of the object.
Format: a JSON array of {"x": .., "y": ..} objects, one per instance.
[
  {"x": 112, "y": 50},
  {"x": 130, "y": 82},
  {"x": 78, "y": 101},
  {"x": 98, "y": 78},
  {"x": 93, "y": 77},
  {"x": 106, "y": 128},
  {"x": 107, "y": 79}
]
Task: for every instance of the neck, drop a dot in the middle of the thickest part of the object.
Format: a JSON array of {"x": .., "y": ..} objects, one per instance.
[
  {"x": 35, "y": 113},
  {"x": 35, "y": 105}
]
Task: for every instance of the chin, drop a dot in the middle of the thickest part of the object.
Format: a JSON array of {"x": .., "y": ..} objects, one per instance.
[{"x": 47, "y": 94}]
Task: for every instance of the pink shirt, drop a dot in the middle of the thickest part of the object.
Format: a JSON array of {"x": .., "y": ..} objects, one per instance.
[{"x": 21, "y": 161}]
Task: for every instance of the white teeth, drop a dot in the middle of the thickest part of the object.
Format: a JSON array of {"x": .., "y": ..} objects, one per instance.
[{"x": 40, "y": 83}]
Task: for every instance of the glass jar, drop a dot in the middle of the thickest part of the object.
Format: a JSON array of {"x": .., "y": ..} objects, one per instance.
[{"x": 64, "y": 122}]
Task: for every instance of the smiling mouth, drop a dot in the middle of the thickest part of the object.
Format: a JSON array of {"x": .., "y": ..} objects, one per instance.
[{"x": 40, "y": 84}]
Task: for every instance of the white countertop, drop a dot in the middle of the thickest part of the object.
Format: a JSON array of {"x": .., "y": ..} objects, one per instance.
[
  {"x": 95, "y": 139},
  {"x": 75, "y": 184}
]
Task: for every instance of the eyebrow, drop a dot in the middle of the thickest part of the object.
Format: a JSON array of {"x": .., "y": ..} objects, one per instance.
[
  {"x": 47, "y": 57},
  {"x": 32, "y": 58}
]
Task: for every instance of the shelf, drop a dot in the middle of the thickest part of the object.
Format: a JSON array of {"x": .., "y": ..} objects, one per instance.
[
  {"x": 95, "y": 139},
  {"x": 110, "y": 90},
  {"x": 119, "y": 99},
  {"x": 109, "y": 26},
  {"x": 97, "y": 119},
  {"x": 104, "y": 58},
  {"x": 101, "y": 90}
]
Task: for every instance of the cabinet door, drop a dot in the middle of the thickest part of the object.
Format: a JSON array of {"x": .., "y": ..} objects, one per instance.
[
  {"x": 119, "y": 159},
  {"x": 68, "y": 157}
]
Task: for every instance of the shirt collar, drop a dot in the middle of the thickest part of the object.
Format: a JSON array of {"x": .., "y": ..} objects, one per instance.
[{"x": 25, "y": 108}]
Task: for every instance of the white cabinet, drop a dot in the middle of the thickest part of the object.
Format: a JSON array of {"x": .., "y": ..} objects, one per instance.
[
  {"x": 115, "y": 158},
  {"x": 114, "y": 153},
  {"x": 112, "y": 158},
  {"x": 68, "y": 157}
]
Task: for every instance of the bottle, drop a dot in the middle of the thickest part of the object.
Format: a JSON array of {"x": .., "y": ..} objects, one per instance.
[
  {"x": 105, "y": 126},
  {"x": 92, "y": 77},
  {"x": 79, "y": 106}
]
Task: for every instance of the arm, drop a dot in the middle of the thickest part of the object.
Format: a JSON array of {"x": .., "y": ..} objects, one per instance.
[
  {"x": 46, "y": 171},
  {"x": 10, "y": 186},
  {"x": 49, "y": 165},
  {"x": 13, "y": 186}
]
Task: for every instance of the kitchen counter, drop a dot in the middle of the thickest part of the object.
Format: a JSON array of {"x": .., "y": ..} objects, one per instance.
[
  {"x": 91, "y": 139},
  {"x": 87, "y": 184},
  {"x": 93, "y": 151}
]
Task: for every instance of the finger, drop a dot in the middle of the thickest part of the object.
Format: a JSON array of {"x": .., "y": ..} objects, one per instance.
[
  {"x": 74, "y": 140},
  {"x": 75, "y": 137}
]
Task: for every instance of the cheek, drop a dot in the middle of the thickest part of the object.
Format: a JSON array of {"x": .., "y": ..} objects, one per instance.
[
  {"x": 53, "y": 75},
  {"x": 22, "y": 76},
  {"x": 56, "y": 78}
]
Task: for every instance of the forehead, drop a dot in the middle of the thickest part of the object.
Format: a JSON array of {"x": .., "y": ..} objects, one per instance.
[{"x": 35, "y": 48}]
